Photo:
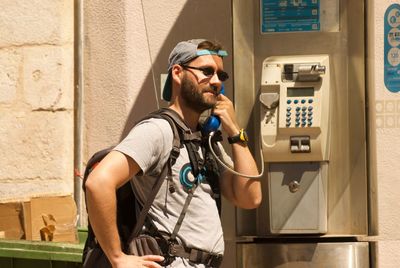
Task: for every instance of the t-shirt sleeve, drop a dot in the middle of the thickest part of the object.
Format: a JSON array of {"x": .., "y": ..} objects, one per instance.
[{"x": 148, "y": 144}]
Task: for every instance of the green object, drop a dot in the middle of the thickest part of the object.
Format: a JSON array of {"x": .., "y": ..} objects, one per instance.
[{"x": 32, "y": 254}]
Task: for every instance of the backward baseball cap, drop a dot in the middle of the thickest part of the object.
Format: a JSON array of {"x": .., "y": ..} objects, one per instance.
[{"x": 184, "y": 52}]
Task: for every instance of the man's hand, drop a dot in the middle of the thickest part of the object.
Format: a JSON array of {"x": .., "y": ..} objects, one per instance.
[
  {"x": 241, "y": 191},
  {"x": 130, "y": 261},
  {"x": 225, "y": 111}
]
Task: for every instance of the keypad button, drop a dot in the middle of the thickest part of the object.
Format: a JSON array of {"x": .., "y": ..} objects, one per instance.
[
  {"x": 310, "y": 100},
  {"x": 289, "y": 101},
  {"x": 310, "y": 108},
  {"x": 288, "y": 109},
  {"x": 303, "y": 101},
  {"x": 303, "y": 108},
  {"x": 296, "y": 101}
]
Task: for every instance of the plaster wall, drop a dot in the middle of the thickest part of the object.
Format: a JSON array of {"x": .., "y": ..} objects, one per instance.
[
  {"x": 384, "y": 111},
  {"x": 36, "y": 98},
  {"x": 127, "y": 44}
]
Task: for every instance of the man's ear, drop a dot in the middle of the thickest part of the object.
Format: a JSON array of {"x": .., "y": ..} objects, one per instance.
[{"x": 177, "y": 73}]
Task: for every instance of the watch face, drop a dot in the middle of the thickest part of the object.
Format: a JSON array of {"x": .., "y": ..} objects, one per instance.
[{"x": 243, "y": 135}]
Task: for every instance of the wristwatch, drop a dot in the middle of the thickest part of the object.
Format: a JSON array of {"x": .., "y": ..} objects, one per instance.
[{"x": 241, "y": 137}]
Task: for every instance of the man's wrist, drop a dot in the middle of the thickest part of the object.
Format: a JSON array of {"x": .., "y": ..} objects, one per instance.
[
  {"x": 116, "y": 257},
  {"x": 240, "y": 137}
]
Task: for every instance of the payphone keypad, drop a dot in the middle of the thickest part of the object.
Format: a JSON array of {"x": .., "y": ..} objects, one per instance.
[{"x": 299, "y": 112}]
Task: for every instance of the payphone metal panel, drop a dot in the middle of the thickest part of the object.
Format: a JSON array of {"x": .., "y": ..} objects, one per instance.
[
  {"x": 298, "y": 198},
  {"x": 295, "y": 108}
]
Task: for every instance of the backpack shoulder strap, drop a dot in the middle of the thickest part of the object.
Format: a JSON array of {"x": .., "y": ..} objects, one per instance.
[
  {"x": 187, "y": 134},
  {"x": 149, "y": 201},
  {"x": 174, "y": 116},
  {"x": 166, "y": 114},
  {"x": 166, "y": 171},
  {"x": 190, "y": 139}
]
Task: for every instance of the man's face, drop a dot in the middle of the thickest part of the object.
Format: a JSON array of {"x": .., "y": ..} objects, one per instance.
[
  {"x": 194, "y": 95},
  {"x": 199, "y": 90}
]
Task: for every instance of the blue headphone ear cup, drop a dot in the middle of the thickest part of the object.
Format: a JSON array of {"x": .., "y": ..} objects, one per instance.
[{"x": 186, "y": 177}]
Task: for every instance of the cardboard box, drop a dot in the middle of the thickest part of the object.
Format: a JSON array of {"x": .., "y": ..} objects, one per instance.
[
  {"x": 26, "y": 216},
  {"x": 10, "y": 221},
  {"x": 51, "y": 219}
]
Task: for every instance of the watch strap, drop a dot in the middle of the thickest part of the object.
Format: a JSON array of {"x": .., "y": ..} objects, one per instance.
[{"x": 241, "y": 137}]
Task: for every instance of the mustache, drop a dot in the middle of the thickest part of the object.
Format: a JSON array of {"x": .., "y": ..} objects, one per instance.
[{"x": 211, "y": 89}]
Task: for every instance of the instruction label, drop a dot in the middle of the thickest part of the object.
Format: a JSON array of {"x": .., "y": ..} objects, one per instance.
[
  {"x": 290, "y": 15},
  {"x": 392, "y": 48}
]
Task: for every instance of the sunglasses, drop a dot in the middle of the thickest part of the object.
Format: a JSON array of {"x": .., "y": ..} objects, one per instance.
[{"x": 209, "y": 72}]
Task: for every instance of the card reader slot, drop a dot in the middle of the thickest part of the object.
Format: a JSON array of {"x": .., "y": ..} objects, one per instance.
[{"x": 300, "y": 144}]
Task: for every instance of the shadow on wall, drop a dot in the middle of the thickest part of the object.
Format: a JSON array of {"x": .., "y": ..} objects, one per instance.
[{"x": 197, "y": 19}]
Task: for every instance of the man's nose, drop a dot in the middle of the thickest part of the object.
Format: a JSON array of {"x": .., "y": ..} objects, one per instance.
[{"x": 215, "y": 81}]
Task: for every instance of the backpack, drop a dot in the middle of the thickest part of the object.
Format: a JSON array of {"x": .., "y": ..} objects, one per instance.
[{"x": 128, "y": 222}]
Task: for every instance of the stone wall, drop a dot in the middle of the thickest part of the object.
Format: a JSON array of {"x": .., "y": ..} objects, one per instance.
[{"x": 36, "y": 98}]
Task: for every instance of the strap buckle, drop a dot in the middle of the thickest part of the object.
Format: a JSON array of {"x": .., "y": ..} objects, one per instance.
[
  {"x": 209, "y": 259},
  {"x": 214, "y": 260},
  {"x": 172, "y": 250},
  {"x": 195, "y": 255}
]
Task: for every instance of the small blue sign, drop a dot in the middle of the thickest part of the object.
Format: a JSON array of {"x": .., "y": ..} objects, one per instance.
[
  {"x": 290, "y": 15},
  {"x": 392, "y": 48}
]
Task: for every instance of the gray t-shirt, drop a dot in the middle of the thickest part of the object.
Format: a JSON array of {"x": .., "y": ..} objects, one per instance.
[{"x": 149, "y": 143}]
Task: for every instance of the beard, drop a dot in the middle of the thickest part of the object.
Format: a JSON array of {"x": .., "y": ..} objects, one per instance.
[{"x": 192, "y": 94}]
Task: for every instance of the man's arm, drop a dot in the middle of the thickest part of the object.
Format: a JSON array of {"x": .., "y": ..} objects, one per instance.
[
  {"x": 110, "y": 174},
  {"x": 241, "y": 191}
]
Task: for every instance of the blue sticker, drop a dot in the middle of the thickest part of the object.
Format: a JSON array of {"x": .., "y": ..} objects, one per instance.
[
  {"x": 392, "y": 48},
  {"x": 290, "y": 15}
]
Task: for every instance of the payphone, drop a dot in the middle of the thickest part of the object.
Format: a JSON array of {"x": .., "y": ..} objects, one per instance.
[
  {"x": 294, "y": 126},
  {"x": 307, "y": 112}
]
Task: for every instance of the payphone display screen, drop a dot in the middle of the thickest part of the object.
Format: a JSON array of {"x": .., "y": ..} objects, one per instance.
[{"x": 300, "y": 91}]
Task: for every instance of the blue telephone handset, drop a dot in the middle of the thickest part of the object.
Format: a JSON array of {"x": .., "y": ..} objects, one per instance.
[
  {"x": 213, "y": 122},
  {"x": 210, "y": 126}
]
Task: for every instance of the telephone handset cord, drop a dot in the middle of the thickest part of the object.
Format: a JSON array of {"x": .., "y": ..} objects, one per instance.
[{"x": 230, "y": 169}]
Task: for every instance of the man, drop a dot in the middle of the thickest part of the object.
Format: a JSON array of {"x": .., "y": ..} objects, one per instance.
[{"x": 193, "y": 86}]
